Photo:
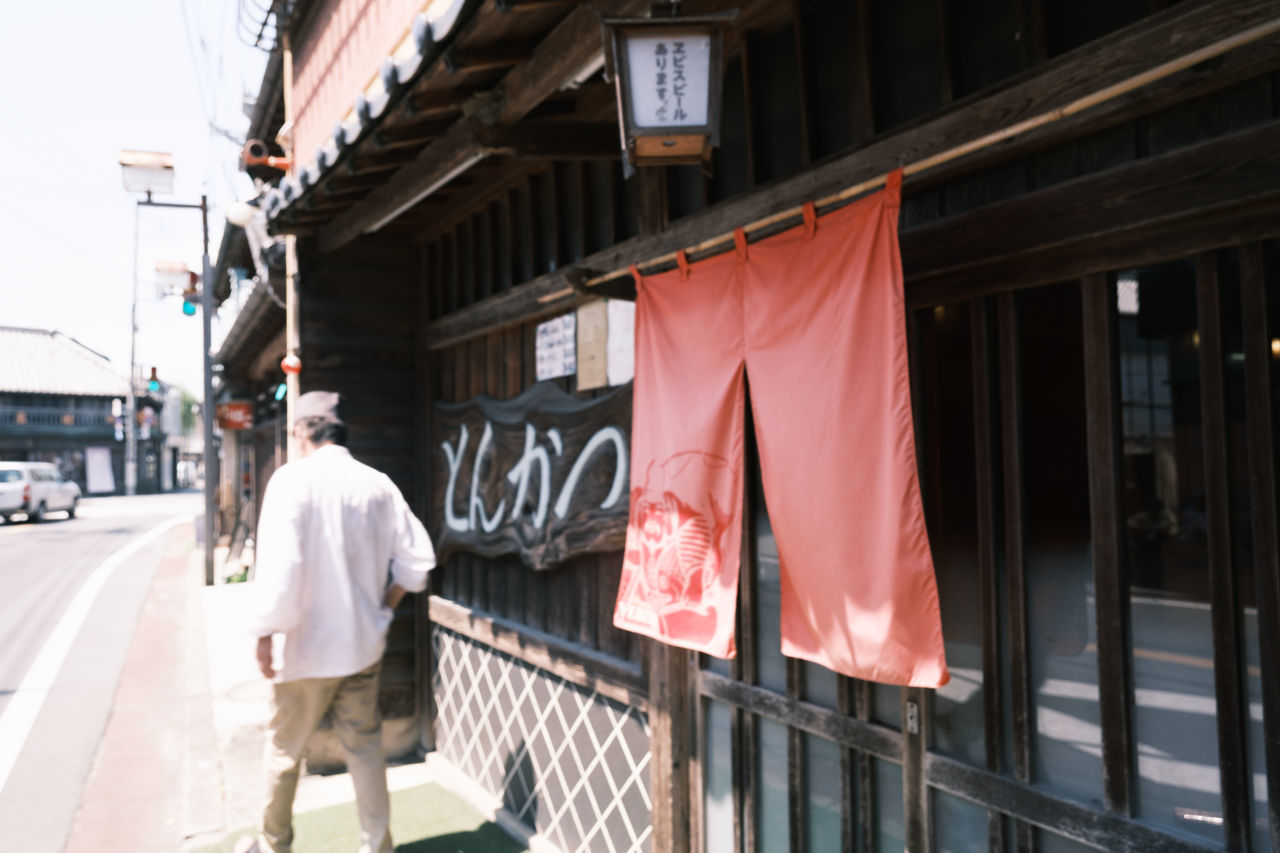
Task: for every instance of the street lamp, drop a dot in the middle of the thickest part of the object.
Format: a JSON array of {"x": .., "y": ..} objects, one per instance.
[
  {"x": 143, "y": 172},
  {"x": 667, "y": 71},
  {"x": 152, "y": 172}
]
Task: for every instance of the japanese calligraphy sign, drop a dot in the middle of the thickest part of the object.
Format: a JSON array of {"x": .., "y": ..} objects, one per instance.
[
  {"x": 543, "y": 475},
  {"x": 669, "y": 79},
  {"x": 236, "y": 414}
]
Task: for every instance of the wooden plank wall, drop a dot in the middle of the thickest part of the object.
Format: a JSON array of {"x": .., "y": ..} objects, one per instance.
[
  {"x": 357, "y": 324},
  {"x": 796, "y": 95},
  {"x": 573, "y": 601}
]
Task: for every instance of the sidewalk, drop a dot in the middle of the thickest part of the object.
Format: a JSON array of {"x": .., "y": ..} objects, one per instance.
[{"x": 179, "y": 766}]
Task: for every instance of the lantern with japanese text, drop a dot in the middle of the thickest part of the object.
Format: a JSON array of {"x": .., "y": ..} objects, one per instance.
[{"x": 667, "y": 73}]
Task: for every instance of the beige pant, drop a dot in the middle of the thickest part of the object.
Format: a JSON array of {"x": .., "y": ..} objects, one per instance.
[{"x": 298, "y": 708}]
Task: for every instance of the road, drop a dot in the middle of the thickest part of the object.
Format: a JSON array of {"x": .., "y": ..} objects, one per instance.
[{"x": 70, "y": 594}]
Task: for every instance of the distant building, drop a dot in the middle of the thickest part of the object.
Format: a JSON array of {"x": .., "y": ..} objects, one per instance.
[{"x": 56, "y": 406}]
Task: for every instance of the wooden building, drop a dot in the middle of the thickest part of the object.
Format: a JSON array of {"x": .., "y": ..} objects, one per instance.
[
  {"x": 56, "y": 405},
  {"x": 1093, "y": 284}
]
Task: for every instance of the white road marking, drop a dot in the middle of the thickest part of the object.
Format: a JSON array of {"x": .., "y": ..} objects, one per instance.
[{"x": 24, "y": 706}]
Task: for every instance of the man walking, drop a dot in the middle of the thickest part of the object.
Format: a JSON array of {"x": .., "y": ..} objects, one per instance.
[{"x": 338, "y": 547}]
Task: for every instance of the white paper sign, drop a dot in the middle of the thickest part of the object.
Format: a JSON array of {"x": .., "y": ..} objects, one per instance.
[
  {"x": 669, "y": 75},
  {"x": 622, "y": 341},
  {"x": 556, "y": 348},
  {"x": 99, "y": 477},
  {"x": 593, "y": 337}
]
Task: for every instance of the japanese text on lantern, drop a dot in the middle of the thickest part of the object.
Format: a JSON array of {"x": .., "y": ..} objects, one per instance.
[{"x": 668, "y": 79}]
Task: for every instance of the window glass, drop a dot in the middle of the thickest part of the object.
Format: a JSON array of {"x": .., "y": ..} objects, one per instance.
[
  {"x": 1062, "y": 645},
  {"x": 890, "y": 837},
  {"x": 1253, "y": 732},
  {"x": 959, "y": 826},
  {"x": 9, "y": 476},
  {"x": 720, "y": 666},
  {"x": 949, "y": 488},
  {"x": 820, "y": 686},
  {"x": 1175, "y": 711},
  {"x": 823, "y": 790},
  {"x": 773, "y": 804},
  {"x": 717, "y": 792},
  {"x": 886, "y": 705},
  {"x": 773, "y": 666},
  {"x": 1245, "y": 568}
]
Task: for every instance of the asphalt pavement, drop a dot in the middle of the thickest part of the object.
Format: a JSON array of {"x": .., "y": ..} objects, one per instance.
[
  {"x": 71, "y": 591},
  {"x": 132, "y": 714}
]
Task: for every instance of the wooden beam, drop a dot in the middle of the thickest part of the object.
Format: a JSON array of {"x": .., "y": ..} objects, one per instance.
[
  {"x": 455, "y": 152},
  {"x": 1033, "y": 806},
  {"x": 619, "y": 680},
  {"x": 1009, "y": 357},
  {"x": 569, "y": 47},
  {"x": 1071, "y": 79},
  {"x": 530, "y": 5},
  {"x": 1263, "y": 502},
  {"x": 1239, "y": 65},
  {"x": 559, "y": 140},
  {"x": 486, "y": 57},
  {"x": 1215, "y": 174},
  {"x": 419, "y": 130},
  {"x": 435, "y": 101},
  {"x": 1232, "y": 717},
  {"x": 871, "y": 738},
  {"x": 985, "y": 476},
  {"x": 671, "y": 745},
  {"x": 1220, "y": 192},
  {"x": 566, "y": 50},
  {"x": 373, "y": 160},
  {"x": 1172, "y": 215},
  {"x": 1109, "y": 545}
]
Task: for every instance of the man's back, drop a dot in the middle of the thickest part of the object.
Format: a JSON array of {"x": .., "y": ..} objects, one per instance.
[{"x": 332, "y": 535}]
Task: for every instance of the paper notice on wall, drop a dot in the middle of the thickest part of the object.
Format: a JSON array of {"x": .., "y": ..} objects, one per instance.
[
  {"x": 99, "y": 477},
  {"x": 593, "y": 334},
  {"x": 555, "y": 348},
  {"x": 622, "y": 341}
]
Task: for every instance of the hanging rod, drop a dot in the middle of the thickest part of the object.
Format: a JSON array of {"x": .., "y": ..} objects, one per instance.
[{"x": 1123, "y": 87}]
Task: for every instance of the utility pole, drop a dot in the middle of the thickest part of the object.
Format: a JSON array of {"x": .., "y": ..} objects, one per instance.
[
  {"x": 207, "y": 407},
  {"x": 210, "y": 454},
  {"x": 131, "y": 401}
]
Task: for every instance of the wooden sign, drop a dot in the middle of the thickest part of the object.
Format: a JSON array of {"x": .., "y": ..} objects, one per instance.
[
  {"x": 543, "y": 475},
  {"x": 235, "y": 415}
]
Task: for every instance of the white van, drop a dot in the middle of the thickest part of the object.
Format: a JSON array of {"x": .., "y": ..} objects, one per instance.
[{"x": 35, "y": 488}]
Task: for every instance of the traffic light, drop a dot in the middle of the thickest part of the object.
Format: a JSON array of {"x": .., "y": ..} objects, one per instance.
[
  {"x": 153, "y": 384},
  {"x": 191, "y": 296}
]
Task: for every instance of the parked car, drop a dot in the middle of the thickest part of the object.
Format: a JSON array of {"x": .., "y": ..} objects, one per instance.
[{"x": 35, "y": 488}]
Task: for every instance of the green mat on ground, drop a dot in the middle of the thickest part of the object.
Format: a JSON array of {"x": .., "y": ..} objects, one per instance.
[{"x": 425, "y": 819}]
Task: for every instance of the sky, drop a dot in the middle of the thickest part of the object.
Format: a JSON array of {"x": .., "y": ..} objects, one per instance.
[{"x": 80, "y": 81}]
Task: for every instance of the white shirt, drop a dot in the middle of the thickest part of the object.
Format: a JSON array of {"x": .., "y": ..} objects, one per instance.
[{"x": 333, "y": 534}]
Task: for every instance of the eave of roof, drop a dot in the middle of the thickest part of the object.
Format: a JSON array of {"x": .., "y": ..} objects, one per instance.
[
  {"x": 397, "y": 77},
  {"x": 245, "y": 338},
  {"x": 42, "y": 361}
]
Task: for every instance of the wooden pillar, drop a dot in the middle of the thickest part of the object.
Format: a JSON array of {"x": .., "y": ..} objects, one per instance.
[
  {"x": 671, "y": 744},
  {"x": 291, "y": 335}
]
